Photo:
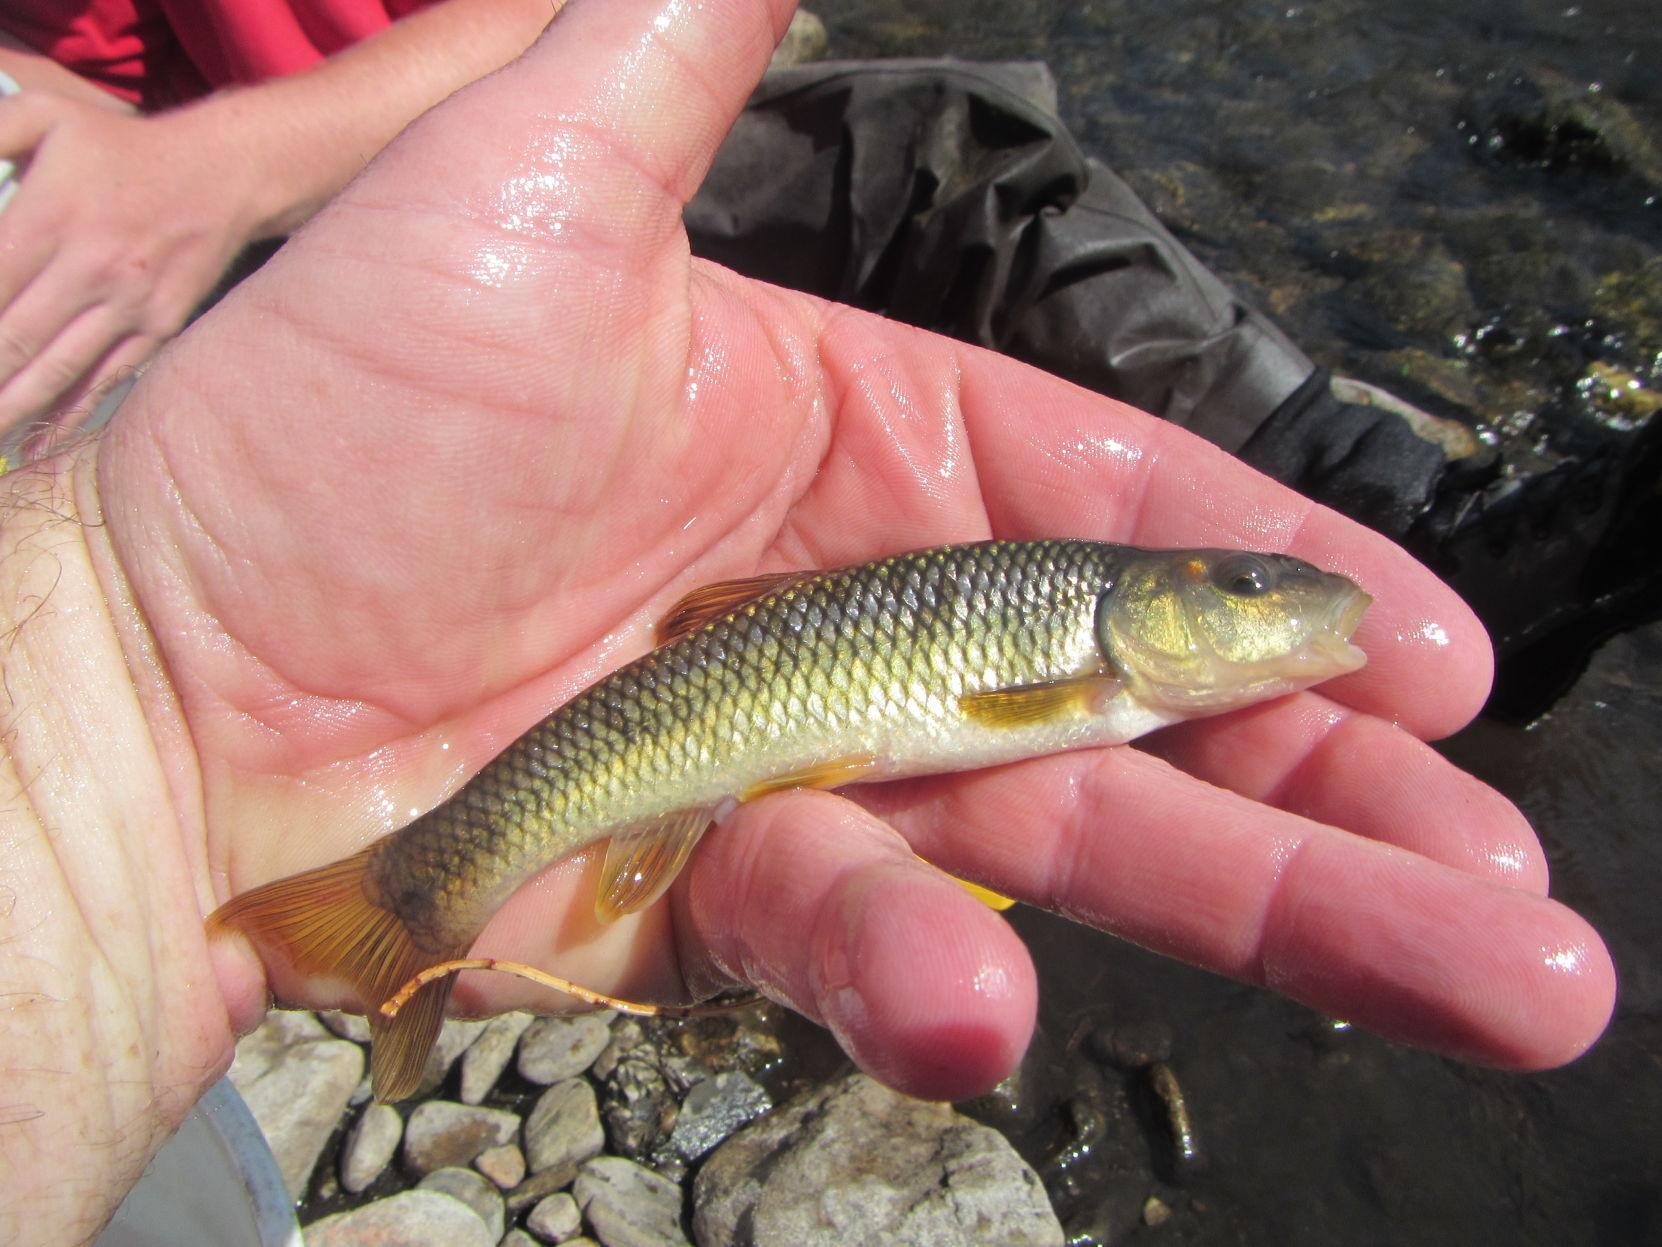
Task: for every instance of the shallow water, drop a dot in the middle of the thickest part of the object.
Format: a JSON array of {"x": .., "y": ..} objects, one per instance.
[{"x": 1359, "y": 171}]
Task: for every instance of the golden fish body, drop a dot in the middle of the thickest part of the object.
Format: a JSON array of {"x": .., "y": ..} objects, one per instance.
[{"x": 946, "y": 659}]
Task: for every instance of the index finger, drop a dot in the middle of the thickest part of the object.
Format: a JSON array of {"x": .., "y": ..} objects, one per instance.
[{"x": 1053, "y": 459}]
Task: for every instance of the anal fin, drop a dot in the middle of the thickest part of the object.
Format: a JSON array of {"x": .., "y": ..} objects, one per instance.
[
  {"x": 832, "y": 773},
  {"x": 643, "y": 859},
  {"x": 1028, "y": 705}
]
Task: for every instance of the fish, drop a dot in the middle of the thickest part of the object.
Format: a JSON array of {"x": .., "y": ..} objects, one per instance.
[{"x": 946, "y": 659}]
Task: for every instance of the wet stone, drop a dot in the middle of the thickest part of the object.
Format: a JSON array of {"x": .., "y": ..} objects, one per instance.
[
  {"x": 713, "y": 1110},
  {"x": 853, "y": 1162},
  {"x": 370, "y": 1147},
  {"x": 298, "y": 1098},
  {"x": 562, "y": 1047},
  {"x": 555, "y": 1219},
  {"x": 409, "y": 1219},
  {"x": 503, "y": 1165},
  {"x": 474, "y": 1191},
  {"x": 564, "y": 1127},
  {"x": 489, "y": 1054},
  {"x": 628, "y": 1205},
  {"x": 442, "y": 1133},
  {"x": 640, "y": 1108}
]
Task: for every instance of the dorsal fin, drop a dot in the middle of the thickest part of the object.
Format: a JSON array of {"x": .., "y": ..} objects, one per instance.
[{"x": 713, "y": 601}]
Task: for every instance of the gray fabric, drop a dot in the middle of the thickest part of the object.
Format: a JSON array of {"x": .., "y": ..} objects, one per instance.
[{"x": 948, "y": 195}]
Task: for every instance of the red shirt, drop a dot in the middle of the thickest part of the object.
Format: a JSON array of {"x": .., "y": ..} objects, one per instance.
[{"x": 155, "y": 53}]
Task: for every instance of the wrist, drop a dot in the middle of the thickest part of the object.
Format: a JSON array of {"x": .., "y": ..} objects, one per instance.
[{"x": 112, "y": 1019}]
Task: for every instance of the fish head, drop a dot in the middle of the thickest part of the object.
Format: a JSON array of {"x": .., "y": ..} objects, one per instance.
[{"x": 1199, "y": 631}]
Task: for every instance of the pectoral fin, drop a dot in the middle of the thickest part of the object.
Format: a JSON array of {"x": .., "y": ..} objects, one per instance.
[
  {"x": 1031, "y": 704},
  {"x": 713, "y": 601},
  {"x": 833, "y": 773},
  {"x": 643, "y": 860}
]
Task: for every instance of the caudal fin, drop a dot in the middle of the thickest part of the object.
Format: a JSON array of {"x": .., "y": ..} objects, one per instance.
[{"x": 322, "y": 923}]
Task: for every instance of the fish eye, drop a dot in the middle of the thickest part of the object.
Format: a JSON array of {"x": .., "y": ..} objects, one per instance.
[{"x": 1244, "y": 575}]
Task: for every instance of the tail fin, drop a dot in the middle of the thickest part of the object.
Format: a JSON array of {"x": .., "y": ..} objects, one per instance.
[{"x": 323, "y": 924}]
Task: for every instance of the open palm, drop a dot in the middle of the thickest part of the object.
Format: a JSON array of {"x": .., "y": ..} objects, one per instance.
[{"x": 447, "y": 458}]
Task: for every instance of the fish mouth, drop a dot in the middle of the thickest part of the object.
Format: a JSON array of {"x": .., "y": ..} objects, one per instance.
[{"x": 1331, "y": 645}]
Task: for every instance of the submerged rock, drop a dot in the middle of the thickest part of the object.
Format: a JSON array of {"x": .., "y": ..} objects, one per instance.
[
  {"x": 854, "y": 1163},
  {"x": 713, "y": 1110},
  {"x": 409, "y": 1219}
]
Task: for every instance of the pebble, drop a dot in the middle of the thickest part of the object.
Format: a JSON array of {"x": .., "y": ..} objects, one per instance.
[
  {"x": 627, "y": 1035},
  {"x": 564, "y": 1127},
  {"x": 346, "y": 1025},
  {"x": 853, "y": 1162},
  {"x": 441, "y": 1133},
  {"x": 369, "y": 1148},
  {"x": 455, "y": 1037},
  {"x": 409, "y": 1219},
  {"x": 639, "y": 1106},
  {"x": 299, "y": 1093},
  {"x": 517, "y": 1238},
  {"x": 555, "y": 1219},
  {"x": 474, "y": 1191},
  {"x": 504, "y": 1165},
  {"x": 713, "y": 1110},
  {"x": 630, "y": 1206},
  {"x": 281, "y": 1030},
  {"x": 556, "y": 1048},
  {"x": 538, "y": 1186},
  {"x": 489, "y": 1054}
]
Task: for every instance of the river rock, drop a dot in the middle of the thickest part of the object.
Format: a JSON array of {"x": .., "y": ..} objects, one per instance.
[
  {"x": 369, "y": 1148},
  {"x": 564, "y": 1127},
  {"x": 441, "y": 1133},
  {"x": 504, "y": 1165},
  {"x": 409, "y": 1219},
  {"x": 639, "y": 1106},
  {"x": 489, "y": 1054},
  {"x": 630, "y": 1206},
  {"x": 455, "y": 1037},
  {"x": 562, "y": 1047},
  {"x": 346, "y": 1025},
  {"x": 281, "y": 1030},
  {"x": 298, "y": 1095},
  {"x": 714, "y": 1109},
  {"x": 857, "y": 1165},
  {"x": 555, "y": 1219},
  {"x": 474, "y": 1191}
]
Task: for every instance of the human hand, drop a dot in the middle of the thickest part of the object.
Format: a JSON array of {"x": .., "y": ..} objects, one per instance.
[
  {"x": 120, "y": 227},
  {"x": 444, "y": 460}
]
